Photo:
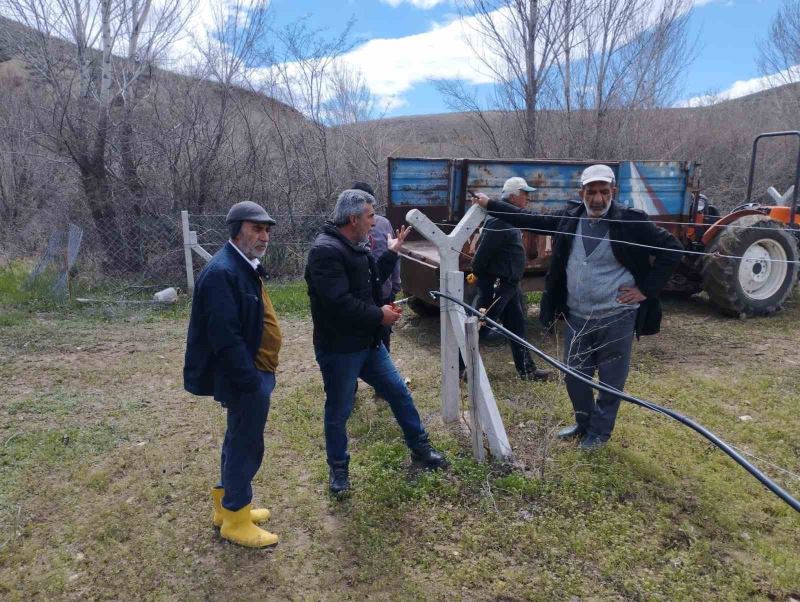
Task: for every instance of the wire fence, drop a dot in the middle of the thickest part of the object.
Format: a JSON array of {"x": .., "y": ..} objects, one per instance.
[{"x": 130, "y": 257}]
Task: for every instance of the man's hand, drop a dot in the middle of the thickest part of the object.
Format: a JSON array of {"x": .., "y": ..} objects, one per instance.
[
  {"x": 480, "y": 199},
  {"x": 390, "y": 316},
  {"x": 394, "y": 244},
  {"x": 630, "y": 294}
]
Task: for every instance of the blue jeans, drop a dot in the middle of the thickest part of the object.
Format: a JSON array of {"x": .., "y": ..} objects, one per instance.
[
  {"x": 375, "y": 367},
  {"x": 602, "y": 345},
  {"x": 243, "y": 447}
]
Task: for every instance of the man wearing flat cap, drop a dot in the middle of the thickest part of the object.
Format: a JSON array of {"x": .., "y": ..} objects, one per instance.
[
  {"x": 499, "y": 265},
  {"x": 231, "y": 354},
  {"x": 608, "y": 267}
]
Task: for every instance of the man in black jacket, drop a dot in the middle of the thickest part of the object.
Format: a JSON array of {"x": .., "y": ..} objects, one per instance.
[
  {"x": 608, "y": 267},
  {"x": 499, "y": 265},
  {"x": 344, "y": 285},
  {"x": 231, "y": 353}
]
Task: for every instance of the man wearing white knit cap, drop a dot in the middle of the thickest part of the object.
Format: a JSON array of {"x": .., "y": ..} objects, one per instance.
[{"x": 608, "y": 267}]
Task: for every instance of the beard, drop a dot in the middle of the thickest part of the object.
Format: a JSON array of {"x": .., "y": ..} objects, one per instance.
[
  {"x": 254, "y": 253},
  {"x": 595, "y": 213}
]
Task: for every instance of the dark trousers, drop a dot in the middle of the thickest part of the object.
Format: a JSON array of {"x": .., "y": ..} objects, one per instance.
[
  {"x": 374, "y": 367},
  {"x": 507, "y": 307},
  {"x": 601, "y": 345},
  {"x": 243, "y": 447}
]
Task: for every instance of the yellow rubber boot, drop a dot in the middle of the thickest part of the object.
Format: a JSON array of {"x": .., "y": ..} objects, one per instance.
[
  {"x": 238, "y": 528},
  {"x": 257, "y": 515}
]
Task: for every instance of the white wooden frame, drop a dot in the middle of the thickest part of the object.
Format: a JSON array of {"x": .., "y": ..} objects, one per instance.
[
  {"x": 190, "y": 244},
  {"x": 451, "y": 328}
]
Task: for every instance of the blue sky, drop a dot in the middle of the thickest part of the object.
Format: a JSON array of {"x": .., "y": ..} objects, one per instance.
[{"x": 402, "y": 43}]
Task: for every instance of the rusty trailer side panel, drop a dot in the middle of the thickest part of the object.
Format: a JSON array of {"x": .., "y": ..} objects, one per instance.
[{"x": 440, "y": 188}]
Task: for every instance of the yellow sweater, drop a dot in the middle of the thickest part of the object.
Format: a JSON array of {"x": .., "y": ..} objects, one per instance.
[{"x": 271, "y": 339}]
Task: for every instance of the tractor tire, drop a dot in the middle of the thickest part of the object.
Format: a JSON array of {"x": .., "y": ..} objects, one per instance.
[{"x": 759, "y": 283}]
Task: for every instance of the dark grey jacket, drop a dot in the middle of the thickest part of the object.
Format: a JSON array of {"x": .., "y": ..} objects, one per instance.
[{"x": 500, "y": 251}]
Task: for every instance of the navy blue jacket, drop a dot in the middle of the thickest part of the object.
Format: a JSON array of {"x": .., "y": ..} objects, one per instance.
[
  {"x": 225, "y": 328},
  {"x": 344, "y": 286},
  {"x": 651, "y": 267}
]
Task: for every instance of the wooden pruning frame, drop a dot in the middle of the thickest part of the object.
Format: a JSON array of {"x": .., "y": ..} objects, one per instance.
[
  {"x": 453, "y": 339},
  {"x": 190, "y": 244}
]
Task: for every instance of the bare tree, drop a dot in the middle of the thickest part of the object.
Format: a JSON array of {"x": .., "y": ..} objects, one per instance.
[
  {"x": 91, "y": 55},
  {"x": 633, "y": 52},
  {"x": 588, "y": 66},
  {"x": 779, "y": 53},
  {"x": 517, "y": 42}
]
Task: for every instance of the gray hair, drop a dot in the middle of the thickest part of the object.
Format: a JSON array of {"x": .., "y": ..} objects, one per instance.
[
  {"x": 234, "y": 228},
  {"x": 350, "y": 203},
  {"x": 506, "y": 195}
]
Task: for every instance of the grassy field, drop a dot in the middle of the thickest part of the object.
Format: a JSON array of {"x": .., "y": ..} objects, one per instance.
[{"x": 106, "y": 464}]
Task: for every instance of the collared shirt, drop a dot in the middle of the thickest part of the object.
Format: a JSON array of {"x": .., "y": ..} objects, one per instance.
[
  {"x": 266, "y": 358},
  {"x": 253, "y": 262}
]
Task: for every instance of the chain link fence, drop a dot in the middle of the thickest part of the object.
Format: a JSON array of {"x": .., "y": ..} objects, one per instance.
[{"x": 130, "y": 257}]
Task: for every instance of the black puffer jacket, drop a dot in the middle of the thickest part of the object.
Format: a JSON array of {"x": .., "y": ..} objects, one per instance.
[
  {"x": 500, "y": 252},
  {"x": 651, "y": 268},
  {"x": 344, "y": 284}
]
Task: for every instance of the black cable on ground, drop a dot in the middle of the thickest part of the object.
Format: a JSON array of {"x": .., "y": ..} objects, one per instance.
[{"x": 764, "y": 479}]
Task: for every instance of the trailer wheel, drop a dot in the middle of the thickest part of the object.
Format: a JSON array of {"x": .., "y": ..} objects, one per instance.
[{"x": 759, "y": 283}]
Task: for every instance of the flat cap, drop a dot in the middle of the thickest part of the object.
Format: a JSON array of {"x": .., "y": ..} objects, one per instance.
[{"x": 248, "y": 211}]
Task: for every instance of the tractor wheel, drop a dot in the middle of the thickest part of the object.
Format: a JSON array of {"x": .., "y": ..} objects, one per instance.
[{"x": 760, "y": 282}]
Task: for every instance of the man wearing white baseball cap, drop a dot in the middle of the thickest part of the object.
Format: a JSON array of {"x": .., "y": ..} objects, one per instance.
[
  {"x": 499, "y": 264},
  {"x": 608, "y": 267}
]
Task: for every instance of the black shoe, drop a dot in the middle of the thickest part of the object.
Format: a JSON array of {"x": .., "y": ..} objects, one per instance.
[
  {"x": 425, "y": 454},
  {"x": 339, "y": 478},
  {"x": 592, "y": 443},
  {"x": 535, "y": 374},
  {"x": 571, "y": 432}
]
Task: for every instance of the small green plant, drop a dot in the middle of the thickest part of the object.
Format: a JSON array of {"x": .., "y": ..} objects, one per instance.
[
  {"x": 289, "y": 298},
  {"x": 532, "y": 297},
  {"x": 16, "y": 291}
]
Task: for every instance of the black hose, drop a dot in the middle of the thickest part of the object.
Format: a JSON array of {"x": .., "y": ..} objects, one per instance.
[{"x": 764, "y": 479}]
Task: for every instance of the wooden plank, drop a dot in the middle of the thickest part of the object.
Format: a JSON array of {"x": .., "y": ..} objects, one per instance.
[
  {"x": 202, "y": 252},
  {"x": 427, "y": 228},
  {"x": 467, "y": 226},
  {"x": 187, "y": 252},
  {"x": 490, "y": 418},
  {"x": 472, "y": 358},
  {"x": 489, "y": 415},
  {"x": 453, "y": 283}
]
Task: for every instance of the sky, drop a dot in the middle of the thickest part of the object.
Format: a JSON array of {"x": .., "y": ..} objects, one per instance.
[{"x": 400, "y": 45}]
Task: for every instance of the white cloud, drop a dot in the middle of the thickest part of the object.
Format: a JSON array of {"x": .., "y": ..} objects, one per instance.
[
  {"x": 744, "y": 87},
  {"x": 393, "y": 66},
  {"x": 423, "y": 4}
]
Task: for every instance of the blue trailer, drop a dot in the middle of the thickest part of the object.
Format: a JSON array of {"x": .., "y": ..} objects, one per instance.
[{"x": 668, "y": 191}]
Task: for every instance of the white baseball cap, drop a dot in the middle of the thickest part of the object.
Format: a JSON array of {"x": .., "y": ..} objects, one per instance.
[
  {"x": 515, "y": 184},
  {"x": 597, "y": 173}
]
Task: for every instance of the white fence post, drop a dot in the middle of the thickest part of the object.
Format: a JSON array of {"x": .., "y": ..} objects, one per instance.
[
  {"x": 451, "y": 327},
  {"x": 472, "y": 357},
  {"x": 187, "y": 252}
]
